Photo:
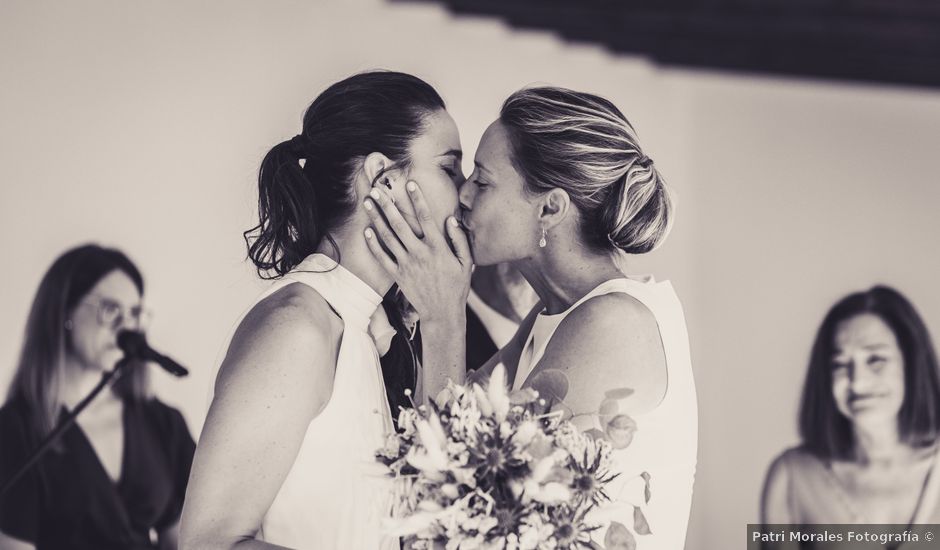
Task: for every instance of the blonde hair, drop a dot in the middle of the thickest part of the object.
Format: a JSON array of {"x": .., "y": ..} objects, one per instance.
[{"x": 583, "y": 144}]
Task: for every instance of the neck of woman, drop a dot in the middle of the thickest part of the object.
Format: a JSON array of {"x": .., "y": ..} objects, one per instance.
[
  {"x": 564, "y": 272},
  {"x": 353, "y": 254},
  {"x": 504, "y": 289},
  {"x": 77, "y": 382},
  {"x": 879, "y": 445}
]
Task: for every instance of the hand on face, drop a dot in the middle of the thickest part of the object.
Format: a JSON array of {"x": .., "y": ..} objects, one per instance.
[{"x": 433, "y": 271}]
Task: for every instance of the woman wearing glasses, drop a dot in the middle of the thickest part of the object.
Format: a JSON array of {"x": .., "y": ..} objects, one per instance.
[{"x": 116, "y": 478}]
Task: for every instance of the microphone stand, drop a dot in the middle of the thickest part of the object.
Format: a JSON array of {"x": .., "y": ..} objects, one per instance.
[{"x": 63, "y": 425}]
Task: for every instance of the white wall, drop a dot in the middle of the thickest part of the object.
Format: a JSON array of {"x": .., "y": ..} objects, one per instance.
[{"x": 142, "y": 126}]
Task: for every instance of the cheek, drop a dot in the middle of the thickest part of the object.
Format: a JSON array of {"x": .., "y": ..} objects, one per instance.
[
  {"x": 443, "y": 203},
  {"x": 95, "y": 345},
  {"x": 896, "y": 381},
  {"x": 439, "y": 194},
  {"x": 840, "y": 390}
]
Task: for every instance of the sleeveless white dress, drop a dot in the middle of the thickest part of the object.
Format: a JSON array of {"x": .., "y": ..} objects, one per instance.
[
  {"x": 336, "y": 495},
  {"x": 666, "y": 440}
]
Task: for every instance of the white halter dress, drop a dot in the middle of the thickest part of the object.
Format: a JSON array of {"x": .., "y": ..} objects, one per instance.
[
  {"x": 335, "y": 496},
  {"x": 666, "y": 440}
]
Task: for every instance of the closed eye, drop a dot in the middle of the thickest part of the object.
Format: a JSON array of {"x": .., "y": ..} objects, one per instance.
[{"x": 456, "y": 175}]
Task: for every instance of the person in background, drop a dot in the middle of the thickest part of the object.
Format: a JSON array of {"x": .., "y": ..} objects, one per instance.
[
  {"x": 116, "y": 478},
  {"x": 499, "y": 300},
  {"x": 869, "y": 420}
]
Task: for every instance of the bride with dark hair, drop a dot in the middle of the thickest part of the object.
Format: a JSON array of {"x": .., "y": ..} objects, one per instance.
[{"x": 286, "y": 457}]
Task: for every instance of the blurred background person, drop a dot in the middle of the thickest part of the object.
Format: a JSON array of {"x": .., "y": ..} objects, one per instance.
[
  {"x": 869, "y": 420},
  {"x": 499, "y": 300},
  {"x": 116, "y": 478}
]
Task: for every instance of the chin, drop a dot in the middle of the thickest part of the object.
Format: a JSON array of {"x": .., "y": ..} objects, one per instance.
[{"x": 481, "y": 258}]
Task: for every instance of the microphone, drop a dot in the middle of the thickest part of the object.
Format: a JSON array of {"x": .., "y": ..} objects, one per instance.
[{"x": 134, "y": 345}]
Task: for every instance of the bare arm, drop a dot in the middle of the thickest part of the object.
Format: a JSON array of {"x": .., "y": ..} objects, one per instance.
[
  {"x": 278, "y": 374},
  {"x": 610, "y": 344}
]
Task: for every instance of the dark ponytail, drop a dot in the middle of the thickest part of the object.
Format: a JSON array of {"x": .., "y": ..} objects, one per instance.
[
  {"x": 305, "y": 191},
  {"x": 291, "y": 222}
]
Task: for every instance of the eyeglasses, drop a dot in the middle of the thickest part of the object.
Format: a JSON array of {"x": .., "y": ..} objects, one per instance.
[{"x": 112, "y": 314}]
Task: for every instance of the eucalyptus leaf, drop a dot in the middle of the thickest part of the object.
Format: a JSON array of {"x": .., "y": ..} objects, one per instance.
[
  {"x": 619, "y": 393},
  {"x": 639, "y": 522},
  {"x": 552, "y": 384},
  {"x": 618, "y": 537},
  {"x": 620, "y": 430},
  {"x": 607, "y": 411},
  {"x": 646, "y": 490}
]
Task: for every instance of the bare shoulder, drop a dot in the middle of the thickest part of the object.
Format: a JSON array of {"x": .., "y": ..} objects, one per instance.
[
  {"x": 776, "y": 502},
  {"x": 797, "y": 460},
  {"x": 611, "y": 341},
  {"x": 290, "y": 335},
  {"x": 616, "y": 312},
  {"x": 794, "y": 462},
  {"x": 781, "y": 465}
]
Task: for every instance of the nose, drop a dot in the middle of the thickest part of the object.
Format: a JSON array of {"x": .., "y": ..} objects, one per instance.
[
  {"x": 861, "y": 376},
  {"x": 466, "y": 195}
]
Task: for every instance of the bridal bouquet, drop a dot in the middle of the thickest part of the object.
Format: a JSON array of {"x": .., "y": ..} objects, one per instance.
[{"x": 485, "y": 469}]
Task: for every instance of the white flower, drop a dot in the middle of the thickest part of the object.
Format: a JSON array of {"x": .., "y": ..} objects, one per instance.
[
  {"x": 549, "y": 493},
  {"x": 406, "y": 422},
  {"x": 432, "y": 461},
  {"x": 483, "y": 402},
  {"x": 392, "y": 447},
  {"x": 412, "y": 525},
  {"x": 571, "y": 440},
  {"x": 525, "y": 432},
  {"x": 450, "y": 491},
  {"x": 496, "y": 391}
]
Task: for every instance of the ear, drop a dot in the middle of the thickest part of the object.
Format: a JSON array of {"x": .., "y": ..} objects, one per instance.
[
  {"x": 554, "y": 208},
  {"x": 374, "y": 167}
]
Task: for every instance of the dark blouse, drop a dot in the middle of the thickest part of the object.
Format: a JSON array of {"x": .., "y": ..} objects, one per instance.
[{"x": 68, "y": 501}]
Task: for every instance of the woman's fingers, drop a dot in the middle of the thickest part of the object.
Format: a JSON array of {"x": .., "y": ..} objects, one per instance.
[
  {"x": 379, "y": 253},
  {"x": 383, "y": 231},
  {"x": 459, "y": 242},
  {"x": 395, "y": 220},
  {"x": 431, "y": 232}
]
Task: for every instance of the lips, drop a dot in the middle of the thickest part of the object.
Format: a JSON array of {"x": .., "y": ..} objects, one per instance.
[{"x": 865, "y": 400}]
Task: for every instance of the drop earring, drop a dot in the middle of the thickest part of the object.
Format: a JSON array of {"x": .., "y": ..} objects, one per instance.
[
  {"x": 542, "y": 242},
  {"x": 68, "y": 324}
]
